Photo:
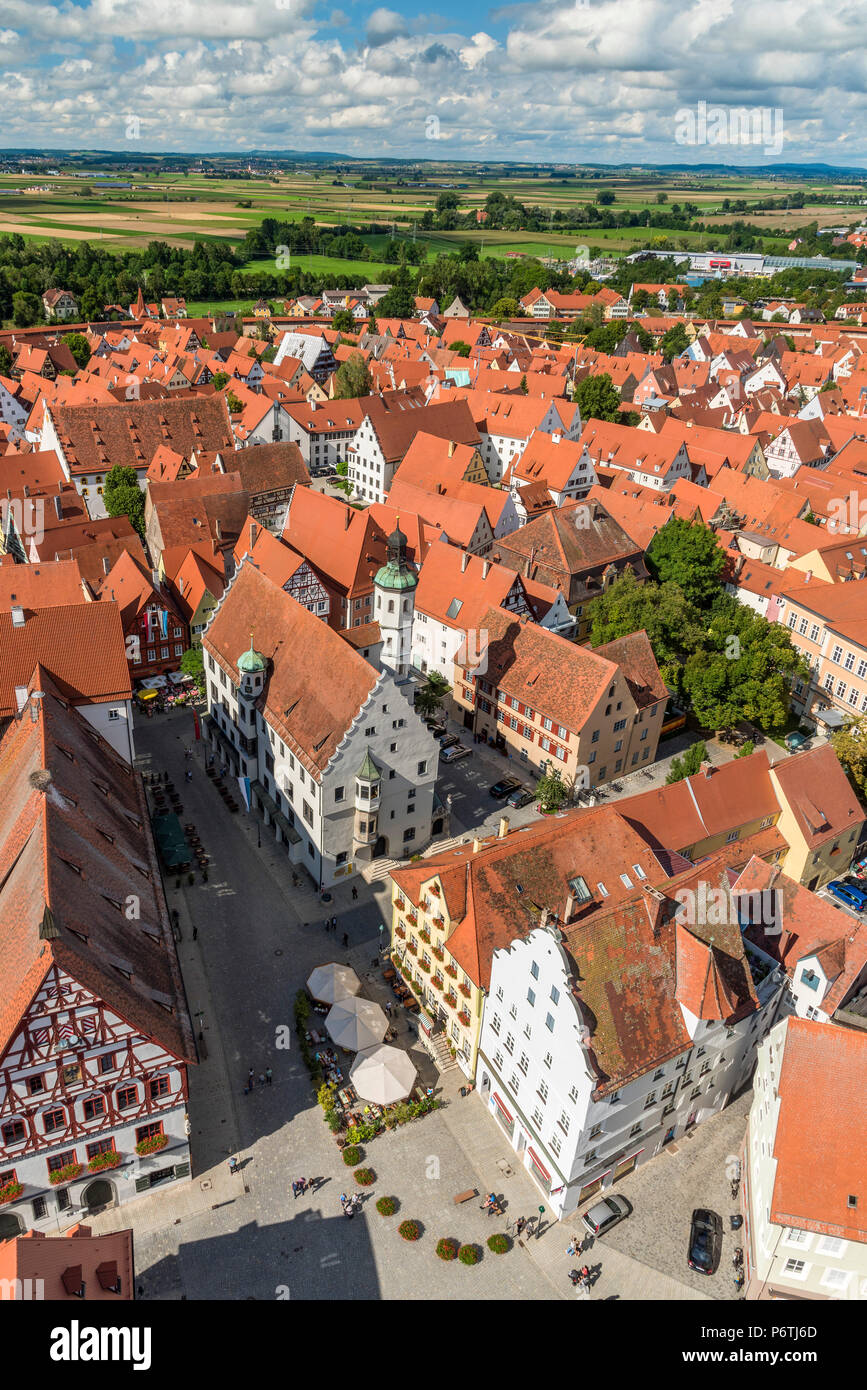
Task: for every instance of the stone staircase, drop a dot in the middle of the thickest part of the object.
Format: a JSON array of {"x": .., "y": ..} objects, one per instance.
[{"x": 438, "y": 1046}]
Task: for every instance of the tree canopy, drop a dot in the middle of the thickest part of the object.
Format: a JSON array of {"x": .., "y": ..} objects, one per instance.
[
  {"x": 597, "y": 398},
  {"x": 353, "y": 378},
  {"x": 122, "y": 496}
]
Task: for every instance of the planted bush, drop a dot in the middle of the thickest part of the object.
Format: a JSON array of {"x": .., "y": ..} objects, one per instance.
[
  {"x": 352, "y": 1155},
  {"x": 447, "y": 1249},
  {"x": 387, "y": 1206},
  {"x": 365, "y": 1177},
  {"x": 469, "y": 1255},
  {"x": 499, "y": 1244},
  {"x": 410, "y": 1230}
]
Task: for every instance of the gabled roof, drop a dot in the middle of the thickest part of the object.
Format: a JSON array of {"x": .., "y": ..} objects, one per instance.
[
  {"x": 309, "y": 713},
  {"x": 64, "y": 884},
  {"x": 80, "y": 645}
]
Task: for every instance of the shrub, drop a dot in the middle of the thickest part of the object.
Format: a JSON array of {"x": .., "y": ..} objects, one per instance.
[
  {"x": 365, "y": 1177},
  {"x": 387, "y": 1206},
  {"x": 447, "y": 1249},
  {"x": 469, "y": 1255},
  {"x": 410, "y": 1230},
  {"x": 499, "y": 1244},
  {"x": 325, "y": 1097},
  {"x": 352, "y": 1156}
]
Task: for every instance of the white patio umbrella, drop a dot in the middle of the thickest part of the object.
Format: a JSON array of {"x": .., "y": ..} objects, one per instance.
[
  {"x": 332, "y": 982},
  {"x": 356, "y": 1023},
  {"x": 382, "y": 1074}
]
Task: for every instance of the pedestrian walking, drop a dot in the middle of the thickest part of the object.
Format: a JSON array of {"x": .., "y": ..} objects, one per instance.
[
  {"x": 303, "y": 1185},
  {"x": 233, "y": 1165},
  {"x": 268, "y": 1075},
  {"x": 334, "y": 924},
  {"x": 520, "y": 1224},
  {"x": 388, "y": 1009},
  {"x": 345, "y": 938},
  {"x": 343, "y": 1199},
  {"x": 195, "y": 933},
  {"x": 573, "y": 1248},
  {"x": 188, "y": 775},
  {"x": 295, "y": 1189},
  {"x": 251, "y": 1079},
  {"x": 354, "y": 892},
  {"x": 261, "y": 1078}
]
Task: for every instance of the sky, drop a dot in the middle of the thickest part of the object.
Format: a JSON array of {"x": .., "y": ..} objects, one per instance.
[{"x": 607, "y": 81}]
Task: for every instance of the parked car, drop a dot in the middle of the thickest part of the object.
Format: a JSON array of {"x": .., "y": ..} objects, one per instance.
[
  {"x": 455, "y": 751},
  {"x": 603, "y": 1215},
  {"x": 436, "y": 728},
  {"x": 852, "y": 897},
  {"x": 447, "y": 740},
  {"x": 500, "y": 790},
  {"x": 521, "y": 797},
  {"x": 705, "y": 1241}
]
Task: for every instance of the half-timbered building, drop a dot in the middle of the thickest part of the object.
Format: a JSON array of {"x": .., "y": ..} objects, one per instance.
[{"x": 95, "y": 1034}]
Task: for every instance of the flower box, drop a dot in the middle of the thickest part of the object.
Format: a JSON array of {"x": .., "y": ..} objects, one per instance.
[
  {"x": 412, "y": 918},
  {"x": 67, "y": 1173},
  {"x": 439, "y": 952},
  {"x": 435, "y": 889},
  {"x": 464, "y": 1018},
  {"x": 11, "y": 1191},
  {"x": 452, "y": 1000},
  {"x": 99, "y": 1162},
  {"x": 152, "y": 1145},
  {"x": 465, "y": 990},
  {"x": 400, "y": 904},
  {"x": 437, "y": 983},
  {"x": 452, "y": 971},
  {"x": 401, "y": 932},
  {"x": 425, "y": 937},
  {"x": 425, "y": 966},
  {"x": 413, "y": 950}
]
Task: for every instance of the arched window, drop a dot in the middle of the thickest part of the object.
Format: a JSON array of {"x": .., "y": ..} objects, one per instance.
[{"x": 391, "y": 605}]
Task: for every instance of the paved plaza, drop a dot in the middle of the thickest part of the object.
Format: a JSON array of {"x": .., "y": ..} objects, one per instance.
[{"x": 219, "y": 1236}]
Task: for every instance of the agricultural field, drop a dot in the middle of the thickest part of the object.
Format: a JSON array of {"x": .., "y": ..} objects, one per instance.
[{"x": 180, "y": 208}]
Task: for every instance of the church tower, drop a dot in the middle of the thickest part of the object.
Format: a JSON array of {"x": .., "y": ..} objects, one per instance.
[{"x": 394, "y": 608}]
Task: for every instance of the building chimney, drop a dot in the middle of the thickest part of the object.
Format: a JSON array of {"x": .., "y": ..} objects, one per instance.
[
  {"x": 253, "y": 533},
  {"x": 451, "y": 447},
  {"x": 486, "y": 565},
  {"x": 58, "y": 507},
  {"x": 477, "y": 845},
  {"x": 708, "y": 769},
  {"x": 503, "y": 828},
  {"x": 26, "y": 490},
  {"x": 465, "y": 560}
]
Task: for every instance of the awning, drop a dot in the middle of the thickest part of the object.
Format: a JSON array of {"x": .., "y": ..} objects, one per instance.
[
  {"x": 154, "y": 683},
  {"x": 145, "y": 695},
  {"x": 502, "y": 1107},
  {"x": 831, "y": 718},
  {"x": 536, "y": 1160}
]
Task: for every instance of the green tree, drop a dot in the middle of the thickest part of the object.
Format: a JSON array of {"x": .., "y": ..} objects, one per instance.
[
  {"x": 505, "y": 308},
  {"x": 235, "y": 406},
  {"x": 79, "y": 347},
  {"x": 551, "y": 790},
  {"x": 193, "y": 664},
  {"x": 399, "y": 302},
  {"x": 25, "y": 309},
  {"x": 430, "y": 696},
  {"x": 353, "y": 378},
  {"x": 687, "y": 553},
  {"x": 674, "y": 342},
  {"x": 850, "y": 745},
  {"x": 220, "y": 379},
  {"x": 342, "y": 321},
  {"x": 597, "y": 398},
  {"x": 122, "y": 496},
  {"x": 688, "y": 765},
  {"x": 605, "y": 198},
  {"x": 5, "y": 360},
  {"x": 461, "y": 348}
]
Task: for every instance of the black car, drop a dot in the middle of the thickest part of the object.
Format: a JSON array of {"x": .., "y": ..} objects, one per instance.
[
  {"x": 705, "y": 1241},
  {"x": 521, "y": 797},
  {"x": 448, "y": 740},
  {"x": 500, "y": 790}
]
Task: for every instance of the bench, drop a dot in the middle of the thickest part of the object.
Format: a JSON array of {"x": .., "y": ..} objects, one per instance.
[{"x": 465, "y": 1196}]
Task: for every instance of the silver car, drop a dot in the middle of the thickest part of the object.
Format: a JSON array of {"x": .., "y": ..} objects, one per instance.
[{"x": 603, "y": 1215}]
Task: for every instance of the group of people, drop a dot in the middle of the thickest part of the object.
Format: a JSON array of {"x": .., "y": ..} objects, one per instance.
[
  {"x": 351, "y": 1204},
  {"x": 265, "y": 1079},
  {"x": 490, "y": 1204},
  {"x": 330, "y": 924},
  {"x": 299, "y": 1187},
  {"x": 581, "y": 1279}
]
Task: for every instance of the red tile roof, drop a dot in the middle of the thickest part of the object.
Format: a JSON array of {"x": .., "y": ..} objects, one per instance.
[{"x": 81, "y": 645}]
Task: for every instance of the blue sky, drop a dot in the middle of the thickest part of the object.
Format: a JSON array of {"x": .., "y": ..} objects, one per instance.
[{"x": 558, "y": 80}]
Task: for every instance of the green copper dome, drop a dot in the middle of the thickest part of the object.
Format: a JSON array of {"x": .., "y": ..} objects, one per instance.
[
  {"x": 368, "y": 772},
  {"x": 397, "y": 573},
  {"x": 251, "y": 661}
]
